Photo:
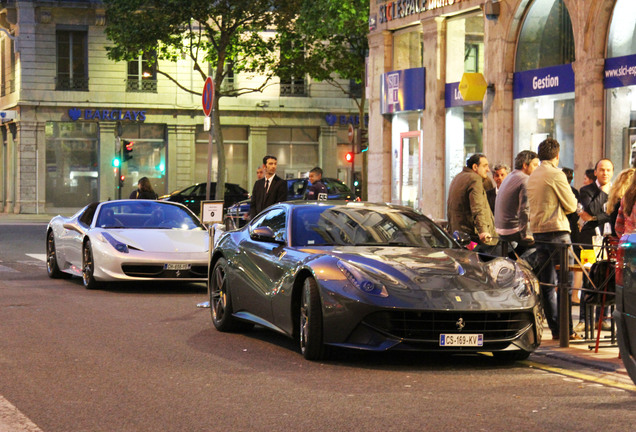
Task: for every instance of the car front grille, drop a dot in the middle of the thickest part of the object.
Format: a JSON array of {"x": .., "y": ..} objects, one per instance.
[
  {"x": 426, "y": 326},
  {"x": 157, "y": 271}
]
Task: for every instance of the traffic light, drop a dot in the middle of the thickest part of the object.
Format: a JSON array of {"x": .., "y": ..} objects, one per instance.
[
  {"x": 127, "y": 147},
  {"x": 116, "y": 162},
  {"x": 349, "y": 157},
  {"x": 121, "y": 181}
]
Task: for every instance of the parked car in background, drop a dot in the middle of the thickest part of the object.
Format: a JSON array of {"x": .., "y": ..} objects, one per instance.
[
  {"x": 192, "y": 196},
  {"x": 625, "y": 311},
  {"x": 372, "y": 277},
  {"x": 128, "y": 240},
  {"x": 237, "y": 214}
]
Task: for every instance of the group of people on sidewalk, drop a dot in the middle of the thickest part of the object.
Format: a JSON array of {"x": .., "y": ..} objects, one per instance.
[{"x": 535, "y": 207}]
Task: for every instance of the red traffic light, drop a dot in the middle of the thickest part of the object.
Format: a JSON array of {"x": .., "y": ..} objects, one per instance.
[
  {"x": 128, "y": 149},
  {"x": 349, "y": 157}
]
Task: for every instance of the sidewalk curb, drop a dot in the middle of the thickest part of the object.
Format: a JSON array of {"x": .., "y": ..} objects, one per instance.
[{"x": 607, "y": 366}]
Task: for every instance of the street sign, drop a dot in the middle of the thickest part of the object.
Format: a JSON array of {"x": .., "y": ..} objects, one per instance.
[
  {"x": 211, "y": 212},
  {"x": 351, "y": 133},
  {"x": 208, "y": 96}
]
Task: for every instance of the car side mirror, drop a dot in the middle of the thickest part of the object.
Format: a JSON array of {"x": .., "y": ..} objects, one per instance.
[
  {"x": 264, "y": 233},
  {"x": 71, "y": 227},
  {"x": 461, "y": 237}
]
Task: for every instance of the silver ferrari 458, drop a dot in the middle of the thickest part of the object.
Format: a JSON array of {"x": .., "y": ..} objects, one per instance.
[{"x": 128, "y": 240}]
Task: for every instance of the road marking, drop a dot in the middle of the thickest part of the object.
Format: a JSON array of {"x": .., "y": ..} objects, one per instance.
[
  {"x": 7, "y": 269},
  {"x": 583, "y": 376},
  {"x": 12, "y": 420},
  {"x": 41, "y": 257}
]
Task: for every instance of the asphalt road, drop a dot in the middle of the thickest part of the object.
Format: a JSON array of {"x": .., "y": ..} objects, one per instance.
[{"x": 145, "y": 358}]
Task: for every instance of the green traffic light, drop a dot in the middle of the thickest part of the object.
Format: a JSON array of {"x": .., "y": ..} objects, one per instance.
[{"x": 116, "y": 162}]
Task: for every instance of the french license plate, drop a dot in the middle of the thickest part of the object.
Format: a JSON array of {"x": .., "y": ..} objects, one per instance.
[
  {"x": 461, "y": 340},
  {"x": 176, "y": 266}
]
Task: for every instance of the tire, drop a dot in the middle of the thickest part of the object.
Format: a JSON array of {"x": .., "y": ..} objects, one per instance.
[
  {"x": 52, "y": 269},
  {"x": 88, "y": 267},
  {"x": 511, "y": 356},
  {"x": 221, "y": 301},
  {"x": 310, "y": 330}
]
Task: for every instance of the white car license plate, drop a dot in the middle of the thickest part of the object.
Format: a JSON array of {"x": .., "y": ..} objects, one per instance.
[
  {"x": 176, "y": 266},
  {"x": 461, "y": 340}
]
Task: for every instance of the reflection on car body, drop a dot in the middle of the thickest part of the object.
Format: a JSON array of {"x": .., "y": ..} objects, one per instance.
[
  {"x": 371, "y": 277},
  {"x": 126, "y": 240}
]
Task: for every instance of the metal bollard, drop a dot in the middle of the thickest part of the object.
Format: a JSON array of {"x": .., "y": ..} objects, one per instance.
[{"x": 564, "y": 300}]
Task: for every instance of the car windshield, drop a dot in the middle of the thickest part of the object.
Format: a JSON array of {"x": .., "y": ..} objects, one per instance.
[
  {"x": 365, "y": 226},
  {"x": 146, "y": 214}
]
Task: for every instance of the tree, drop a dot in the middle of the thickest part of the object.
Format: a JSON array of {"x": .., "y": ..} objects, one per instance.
[
  {"x": 328, "y": 41},
  {"x": 218, "y": 32}
]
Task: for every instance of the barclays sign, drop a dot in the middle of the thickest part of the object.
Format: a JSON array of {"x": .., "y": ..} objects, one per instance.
[{"x": 106, "y": 114}]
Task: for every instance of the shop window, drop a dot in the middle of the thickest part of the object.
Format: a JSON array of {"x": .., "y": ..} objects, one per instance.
[
  {"x": 296, "y": 149},
  {"x": 72, "y": 169},
  {"x": 235, "y": 143},
  {"x": 72, "y": 60},
  {"x": 546, "y": 37},
  {"x": 620, "y": 134},
  {"x": 408, "y": 49},
  {"x": 464, "y": 123},
  {"x": 544, "y": 50},
  {"x": 148, "y": 156},
  {"x": 142, "y": 74}
]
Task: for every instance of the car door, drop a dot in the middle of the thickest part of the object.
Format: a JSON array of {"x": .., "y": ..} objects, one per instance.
[
  {"x": 261, "y": 265},
  {"x": 72, "y": 236}
]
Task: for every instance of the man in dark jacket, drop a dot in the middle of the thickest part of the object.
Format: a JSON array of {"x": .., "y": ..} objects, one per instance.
[
  {"x": 593, "y": 198},
  {"x": 317, "y": 191},
  {"x": 269, "y": 190},
  {"x": 467, "y": 206}
]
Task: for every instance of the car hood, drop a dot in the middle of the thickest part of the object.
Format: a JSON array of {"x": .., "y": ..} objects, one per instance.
[
  {"x": 409, "y": 272},
  {"x": 163, "y": 240}
]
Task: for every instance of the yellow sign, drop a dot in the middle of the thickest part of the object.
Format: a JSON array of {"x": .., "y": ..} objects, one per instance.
[{"x": 473, "y": 86}]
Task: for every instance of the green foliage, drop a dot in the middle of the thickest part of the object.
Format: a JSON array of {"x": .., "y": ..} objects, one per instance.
[{"x": 207, "y": 31}]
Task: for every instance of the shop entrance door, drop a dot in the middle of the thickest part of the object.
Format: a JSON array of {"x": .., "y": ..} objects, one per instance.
[{"x": 410, "y": 163}]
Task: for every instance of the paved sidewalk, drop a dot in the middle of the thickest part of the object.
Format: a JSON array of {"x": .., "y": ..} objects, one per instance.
[{"x": 11, "y": 218}]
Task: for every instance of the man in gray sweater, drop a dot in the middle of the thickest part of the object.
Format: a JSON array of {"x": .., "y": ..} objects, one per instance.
[{"x": 511, "y": 208}]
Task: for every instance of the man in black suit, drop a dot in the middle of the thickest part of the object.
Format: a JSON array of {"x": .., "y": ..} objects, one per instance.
[{"x": 269, "y": 190}]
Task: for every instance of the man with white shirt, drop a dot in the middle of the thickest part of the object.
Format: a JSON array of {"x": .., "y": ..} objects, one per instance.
[{"x": 593, "y": 198}]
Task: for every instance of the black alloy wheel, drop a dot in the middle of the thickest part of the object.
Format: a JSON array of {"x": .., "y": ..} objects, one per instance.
[
  {"x": 310, "y": 333},
  {"x": 52, "y": 269},
  {"x": 88, "y": 267},
  {"x": 221, "y": 302}
]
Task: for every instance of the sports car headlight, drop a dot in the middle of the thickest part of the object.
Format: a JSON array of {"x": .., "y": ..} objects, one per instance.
[
  {"x": 508, "y": 275},
  {"x": 121, "y": 247},
  {"x": 362, "y": 280}
]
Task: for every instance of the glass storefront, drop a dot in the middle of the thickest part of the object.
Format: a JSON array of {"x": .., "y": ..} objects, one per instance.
[
  {"x": 621, "y": 98},
  {"x": 296, "y": 149},
  {"x": 72, "y": 164},
  {"x": 148, "y": 156},
  {"x": 464, "y": 123},
  {"x": 543, "y": 109},
  {"x": 235, "y": 144}
]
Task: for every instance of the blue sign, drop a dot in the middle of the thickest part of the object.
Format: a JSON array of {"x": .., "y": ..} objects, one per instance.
[
  {"x": 620, "y": 71},
  {"x": 454, "y": 97},
  {"x": 403, "y": 90},
  {"x": 545, "y": 81},
  {"x": 106, "y": 114}
]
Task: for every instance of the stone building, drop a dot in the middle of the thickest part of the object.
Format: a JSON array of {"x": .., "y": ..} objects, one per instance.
[
  {"x": 559, "y": 68},
  {"x": 63, "y": 104}
]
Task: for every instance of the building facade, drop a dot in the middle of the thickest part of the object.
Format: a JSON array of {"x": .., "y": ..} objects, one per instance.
[
  {"x": 65, "y": 109},
  {"x": 554, "y": 68}
]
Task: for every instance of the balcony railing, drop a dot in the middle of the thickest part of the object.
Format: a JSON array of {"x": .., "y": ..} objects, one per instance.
[
  {"x": 295, "y": 87},
  {"x": 143, "y": 86},
  {"x": 67, "y": 83}
]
